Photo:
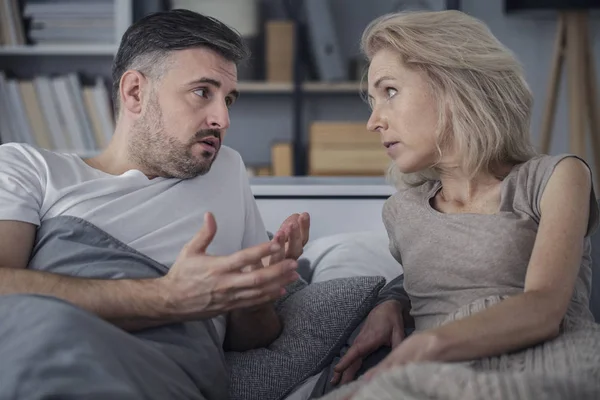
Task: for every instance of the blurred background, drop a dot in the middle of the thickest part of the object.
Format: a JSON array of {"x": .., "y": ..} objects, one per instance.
[{"x": 301, "y": 111}]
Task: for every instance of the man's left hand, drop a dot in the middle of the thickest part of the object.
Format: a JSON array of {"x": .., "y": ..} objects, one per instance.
[{"x": 294, "y": 232}]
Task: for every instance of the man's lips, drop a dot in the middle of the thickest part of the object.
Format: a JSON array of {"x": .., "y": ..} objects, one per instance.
[
  {"x": 211, "y": 141},
  {"x": 390, "y": 144}
]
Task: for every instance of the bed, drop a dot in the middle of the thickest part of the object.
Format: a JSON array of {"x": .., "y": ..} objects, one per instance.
[{"x": 347, "y": 233}]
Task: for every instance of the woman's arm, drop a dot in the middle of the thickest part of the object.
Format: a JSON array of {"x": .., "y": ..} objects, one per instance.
[
  {"x": 535, "y": 315},
  {"x": 394, "y": 290}
]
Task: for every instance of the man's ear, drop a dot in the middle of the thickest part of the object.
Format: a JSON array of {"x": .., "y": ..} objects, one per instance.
[{"x": 130, "y": 90}]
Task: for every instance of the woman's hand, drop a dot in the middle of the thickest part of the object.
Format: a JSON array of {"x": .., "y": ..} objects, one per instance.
[
  {"x": 384, "y": 327},
  {"x": 418, "y": 347}
]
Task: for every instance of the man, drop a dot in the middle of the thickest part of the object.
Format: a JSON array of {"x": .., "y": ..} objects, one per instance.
[{"x": 115, "y": 282}]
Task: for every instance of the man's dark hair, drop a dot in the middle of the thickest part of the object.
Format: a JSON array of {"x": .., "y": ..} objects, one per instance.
[{"x": 147, "y": 43}]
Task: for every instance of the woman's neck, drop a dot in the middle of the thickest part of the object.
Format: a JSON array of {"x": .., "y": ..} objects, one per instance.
[{"x": 462, "y": 189}]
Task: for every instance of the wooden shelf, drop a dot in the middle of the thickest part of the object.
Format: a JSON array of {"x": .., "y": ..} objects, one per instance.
[
  {"x": 308, "y": 87},
  {"x": 264, "y": 87},
  {"x": 333, "y": 87},
  {"x": 61, "y": 50}
]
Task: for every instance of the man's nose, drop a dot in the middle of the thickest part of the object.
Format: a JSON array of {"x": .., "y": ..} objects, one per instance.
[{"x": 218, "y": 116}]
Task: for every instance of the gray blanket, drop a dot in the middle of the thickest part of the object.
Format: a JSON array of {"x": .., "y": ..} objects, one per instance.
[
  {"x": 567, "y": 367},
  {"x": 50, "y": 349}
]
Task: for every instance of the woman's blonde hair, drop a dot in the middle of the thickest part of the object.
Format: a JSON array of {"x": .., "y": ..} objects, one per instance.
[{"x": 484, "y": 102}]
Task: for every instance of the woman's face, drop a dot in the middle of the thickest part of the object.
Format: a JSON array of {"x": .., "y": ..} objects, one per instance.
[{"x": 404, "y": 112}]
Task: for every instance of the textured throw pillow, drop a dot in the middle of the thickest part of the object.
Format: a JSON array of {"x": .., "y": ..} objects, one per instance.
[{"x": 317, "y": 320}]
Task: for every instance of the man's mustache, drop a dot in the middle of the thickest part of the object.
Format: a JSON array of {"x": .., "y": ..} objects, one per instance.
[{"x": 206, "y": 133}]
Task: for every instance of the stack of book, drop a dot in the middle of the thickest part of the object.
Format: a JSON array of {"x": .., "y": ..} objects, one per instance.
[
  {"x": 56, "y": 113},
  {"x": 345, "y": 148},
  {"x": 12, "y": 31},
  {"x": 71, "y": 22}
]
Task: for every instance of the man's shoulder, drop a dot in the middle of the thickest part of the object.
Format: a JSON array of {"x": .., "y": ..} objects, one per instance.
[
  {"x": 228, "y": 161},
  {"x": 28, "y": 154},
  {"x": 22, "y": 155},
  {"x": 229, "y": 153}
]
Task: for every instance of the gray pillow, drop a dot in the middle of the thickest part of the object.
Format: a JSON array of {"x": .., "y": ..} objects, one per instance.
[{"x": 317, "y": 320}]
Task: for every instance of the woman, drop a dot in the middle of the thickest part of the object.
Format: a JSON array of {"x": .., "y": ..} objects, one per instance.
[{"x": 493, "y": 238}]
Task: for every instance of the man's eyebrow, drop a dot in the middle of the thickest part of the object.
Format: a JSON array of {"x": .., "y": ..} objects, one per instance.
[{"x": 215, "y": 83}]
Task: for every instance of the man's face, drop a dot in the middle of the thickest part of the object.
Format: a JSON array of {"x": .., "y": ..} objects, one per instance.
[{"x": 185, "y": 115}]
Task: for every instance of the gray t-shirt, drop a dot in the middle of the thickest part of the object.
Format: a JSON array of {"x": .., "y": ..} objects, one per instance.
[{"x": 452, "y": 260}]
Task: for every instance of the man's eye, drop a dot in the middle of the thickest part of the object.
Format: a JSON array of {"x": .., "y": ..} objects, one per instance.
[
  {"x": 201, "y": 92},
  {"x": 229, "y": 101},
  {"x": 391, "y": 92}
]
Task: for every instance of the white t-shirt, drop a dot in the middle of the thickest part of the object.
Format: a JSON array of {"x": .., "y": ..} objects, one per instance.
[{"x": 154, "y": 216}]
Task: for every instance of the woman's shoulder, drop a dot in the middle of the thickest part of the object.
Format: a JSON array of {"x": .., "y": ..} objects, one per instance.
[
  {"x": 530, "y": 179},
  {"x": 538, "y": 169}
]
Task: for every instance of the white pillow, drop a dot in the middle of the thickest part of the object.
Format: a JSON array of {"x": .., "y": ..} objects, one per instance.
[{"x": 351, "y": 254}]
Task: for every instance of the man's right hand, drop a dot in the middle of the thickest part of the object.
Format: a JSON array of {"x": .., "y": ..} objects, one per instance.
[
  {"x": 384, "y": 327},
  {"x": 201, "y": 286}
]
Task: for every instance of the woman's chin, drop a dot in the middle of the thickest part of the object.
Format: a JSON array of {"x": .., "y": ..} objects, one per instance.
[
  {"x": 409, "y": 166},
  {"x": 404, "y": 165}
]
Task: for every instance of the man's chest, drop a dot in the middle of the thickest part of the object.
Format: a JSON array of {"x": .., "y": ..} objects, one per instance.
[{"x": 158, "y": 220}]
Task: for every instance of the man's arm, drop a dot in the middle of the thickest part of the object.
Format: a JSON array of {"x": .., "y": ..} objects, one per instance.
[
  {"x": 252, "y": 329},
  {"x": 198, "y": 286},
  {"x": 259, "y": 327},
  {"x": 131, "y": 304}
]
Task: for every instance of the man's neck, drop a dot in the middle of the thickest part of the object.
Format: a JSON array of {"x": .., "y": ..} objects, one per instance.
[{"x": 114, "y": 159}]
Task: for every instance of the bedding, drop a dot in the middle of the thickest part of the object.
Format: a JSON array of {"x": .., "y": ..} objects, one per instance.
[
  {"x": 74, "y": 351},
  {"x": 72, "y": 246},
  {"x": 348, "y": 254},
  {"x": 562, "y": 368},
  {"x": 317, "y": 321}
]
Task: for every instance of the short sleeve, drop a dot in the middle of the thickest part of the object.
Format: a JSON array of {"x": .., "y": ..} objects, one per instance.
[
  {"x": 21, "y": 185},
  {"x": 388, "y": 217},
  {"x": 538, "y": 175},
  {"x": 254, "y": 227}
]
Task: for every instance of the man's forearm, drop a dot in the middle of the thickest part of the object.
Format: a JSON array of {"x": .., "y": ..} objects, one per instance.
[
  {"x": 129, "y": 304},
  {"x": 251, "y": 329}
]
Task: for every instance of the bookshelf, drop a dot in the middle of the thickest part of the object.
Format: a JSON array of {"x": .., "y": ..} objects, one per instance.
[
  {"x": 60, "y": 50},
  {"x": 55, "y": 74},
  {"x": 91, "y": 63}
]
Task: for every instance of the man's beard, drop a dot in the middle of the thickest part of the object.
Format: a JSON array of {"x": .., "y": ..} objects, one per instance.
[{"x": 161, "y": 155}]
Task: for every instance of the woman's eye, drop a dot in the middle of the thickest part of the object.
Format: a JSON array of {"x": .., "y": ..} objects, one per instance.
[{"x": 391, "y": 92}]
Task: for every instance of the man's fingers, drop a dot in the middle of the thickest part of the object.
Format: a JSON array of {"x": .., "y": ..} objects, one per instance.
[
  {"x": 275, "y": 289},
  {"x": 203, "y": 238},
  {"x": 295, "y": 241},
  {"x": 257, "y": 301},
  {"x": 305, "y": 227},
  {"x": 249, "y": 256},
  {"x": 278, "y": 256},
  {"x": 282, "y": 273}
]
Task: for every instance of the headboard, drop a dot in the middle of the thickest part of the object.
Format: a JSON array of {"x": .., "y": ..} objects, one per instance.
[{"x": 336, "y": 205}]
